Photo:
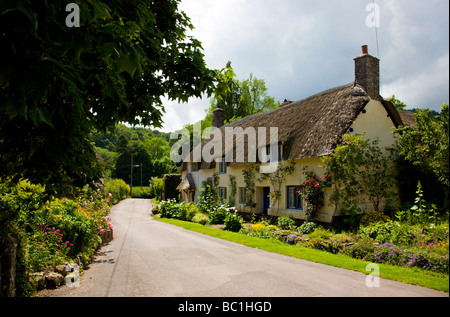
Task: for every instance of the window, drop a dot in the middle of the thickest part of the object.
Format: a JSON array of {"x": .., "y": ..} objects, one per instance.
[
  {"x": 222, "y": 166},
  {"x": 223, "y": 194},
  {"x": 271, "y": 157},
  {"x": 242, "y": 195},
  {"x": 294, "y": 198},
  {"x": 195, "y": 166}
]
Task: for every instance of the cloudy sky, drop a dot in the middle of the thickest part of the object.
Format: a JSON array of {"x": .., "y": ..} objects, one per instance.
[{"x": 302, "y": 47}]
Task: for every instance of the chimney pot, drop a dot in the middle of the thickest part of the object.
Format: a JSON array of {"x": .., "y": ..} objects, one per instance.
[
  {"x": 367, "y": 73},
  {"x": 365, "y": 50},
  {"x": 218, "y": 118}
]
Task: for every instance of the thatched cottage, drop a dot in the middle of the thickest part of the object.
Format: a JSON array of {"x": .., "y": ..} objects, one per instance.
[{"x": 307, "y": 130}]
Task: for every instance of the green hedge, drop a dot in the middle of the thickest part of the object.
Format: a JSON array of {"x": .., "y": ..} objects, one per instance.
[{"x": 51, "y": 231}]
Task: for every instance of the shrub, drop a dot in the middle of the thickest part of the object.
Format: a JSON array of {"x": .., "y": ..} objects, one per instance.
[
  {"x": 191, "y": 211},
  {"x": 170, "y": 209},
  {"x": 360, "y": 249},
  {"x": 118, "y": 189},
  {"x": 201, "y": 218},
  {"x": 156, "y": 187},
  {"x": 218, "y": 215},
  {"x": 380, "y": 232},
  {"x": 258, "y": 226},
  {"x": 373, "y": 217},
  {"x": 233, "y": 222},
  {"x": 286, "y": 223},
  {"x": 391, "y": 254},
  {"x": 391, "y": 231},
  {"x": 321, "y": 232},
  {"x": 307, "y": 228}
]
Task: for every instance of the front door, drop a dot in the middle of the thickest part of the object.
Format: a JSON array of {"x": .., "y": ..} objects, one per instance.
[{"x": 266, "y": 192}]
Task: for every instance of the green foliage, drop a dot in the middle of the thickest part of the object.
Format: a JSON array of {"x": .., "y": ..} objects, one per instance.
[
  {"x": 321, "y": 233},
  {"x": 421, "y": 213},
  {"x": 118, "y": 189},
  {"x": 170, "y": 209},
  {"x": 116, "y": 67},
  {"x": 427, "y": 145},
  {"x": 231, "y": 198},
  {"x": 399, "y": 105},
  {"x": 373, "y": 217},
  {"x": 313, "y": 192},
  {"x": 50, "y": 231},
  {"x": 286, "y": 223},
  {"x": 360, "y": 167},
  {"x": 249, "y": 180},
  {"x": 156, "y": 187},
  {"x": 218, "y": 215},
  {"x": 201, "y": 218},
  {"x": 233, "y": 222},
  {"x": 208, "y": 198},
  {"x": 241, "y": 99},
  {"x": 307, "y": 228},
  {"x": 392, "y": 232}
]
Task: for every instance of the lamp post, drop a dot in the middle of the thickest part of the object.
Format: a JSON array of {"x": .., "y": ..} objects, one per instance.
[{"x": 131, "y": 176}]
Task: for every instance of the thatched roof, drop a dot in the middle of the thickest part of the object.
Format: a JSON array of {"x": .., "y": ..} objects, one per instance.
[
  {"x": 408, "y": 118},
  {"x": 309, "y": 127},
  {"x": 187, "y": 183}
]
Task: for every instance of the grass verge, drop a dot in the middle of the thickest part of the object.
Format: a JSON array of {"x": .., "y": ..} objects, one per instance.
[{"x": 412, "y": 276}]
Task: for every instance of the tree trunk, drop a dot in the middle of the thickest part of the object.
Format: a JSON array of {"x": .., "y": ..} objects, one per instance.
[{"x": 8, "y": 266}]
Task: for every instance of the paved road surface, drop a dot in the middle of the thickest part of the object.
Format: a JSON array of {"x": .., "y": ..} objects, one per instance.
[{"x": 150, "y": 258}]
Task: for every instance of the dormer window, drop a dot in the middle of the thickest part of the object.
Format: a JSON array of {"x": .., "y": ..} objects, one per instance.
[
  {"x": 273, "y": 157},
  {"x": 222, "y": 166}
]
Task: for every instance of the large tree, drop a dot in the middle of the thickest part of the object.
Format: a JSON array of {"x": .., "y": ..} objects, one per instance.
[
  {"x": 427, "y": 144},
  {"x": 58, "y": 83},
  {"x": 241, "y": 99}
]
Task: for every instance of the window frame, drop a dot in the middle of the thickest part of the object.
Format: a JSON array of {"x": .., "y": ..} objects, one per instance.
[
  {"x": 242, "y": 195},
  {"x": 297, "y": 198},
  {"x": 223, "y": 194},
  {"x": 222, "y": 166}
]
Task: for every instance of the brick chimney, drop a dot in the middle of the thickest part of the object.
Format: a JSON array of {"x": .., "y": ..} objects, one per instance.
[
  {"x": 218, "y": 118},
  {"x": 367, "y": 73}
]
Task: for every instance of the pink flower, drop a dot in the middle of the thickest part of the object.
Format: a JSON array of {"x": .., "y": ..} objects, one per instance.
[
  {"x": 102, "y": 230},
  {"x": 91, "y": 198},
  {"x": 110, "y": 195},
  {"x": 315, "y": 186},
  {"x": 110, "y": 225}
]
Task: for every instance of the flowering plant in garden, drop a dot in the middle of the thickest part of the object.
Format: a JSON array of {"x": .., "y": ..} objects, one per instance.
[
  {"x": 47, "y": 247},
  {"x": 312, "y": 191}
]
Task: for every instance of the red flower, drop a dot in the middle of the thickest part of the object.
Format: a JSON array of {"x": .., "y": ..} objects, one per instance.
[
  {"x": 326, "y": 176},
  {"x": 315, "y": 186}
]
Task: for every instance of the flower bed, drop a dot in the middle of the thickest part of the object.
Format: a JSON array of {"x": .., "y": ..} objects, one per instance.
[
  {"x": 380, "y": 240},
  {"x": 52, "y": 231},
  {"x": 431, "y": 256}
]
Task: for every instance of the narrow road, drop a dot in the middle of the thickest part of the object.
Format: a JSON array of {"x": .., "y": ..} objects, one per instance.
[{"x": 151, "y": 258}]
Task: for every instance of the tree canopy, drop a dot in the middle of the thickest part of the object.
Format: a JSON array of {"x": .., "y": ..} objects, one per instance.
[
  {"x": 59, "y": 83},
  {"x": 241, "y": 99}
]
